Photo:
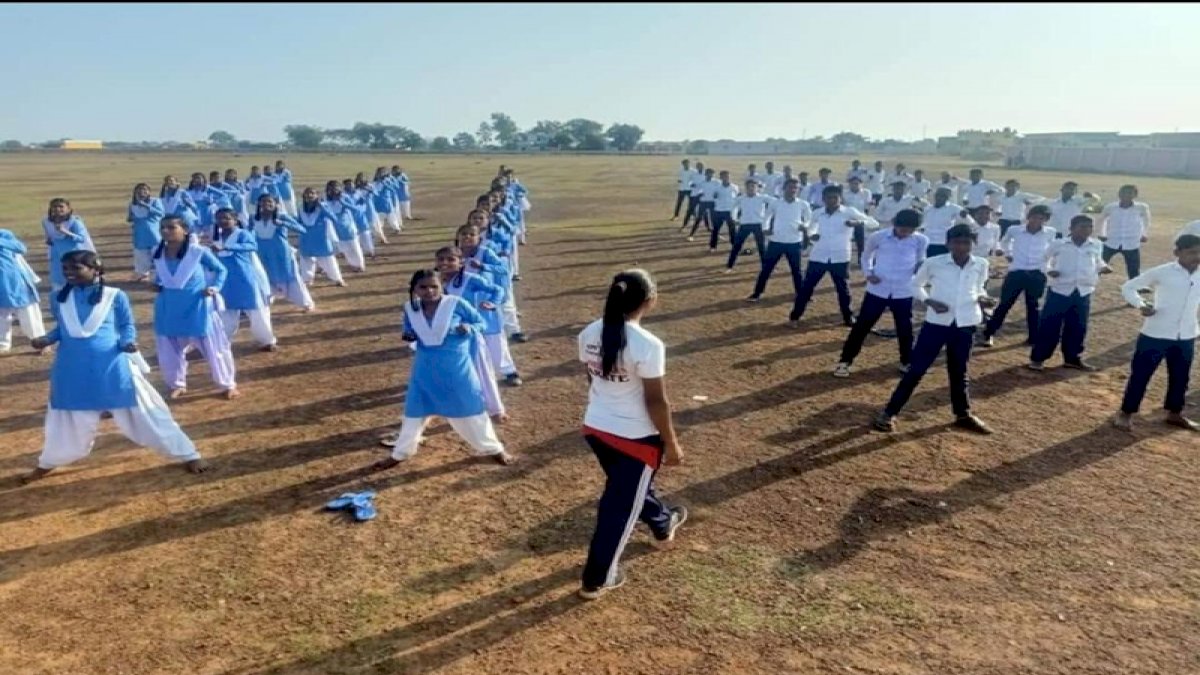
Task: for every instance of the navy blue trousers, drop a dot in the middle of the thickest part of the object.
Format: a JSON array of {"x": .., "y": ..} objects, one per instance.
[
  {"x": 869, "y": 312},
  {"x": 1133, "y": 259},
  {"x": 933, "y": 337},
  {"x": 839, "y": 272},
  {"x": 1031, "y": 283},
  {"x": 1147, "y": 356},
  {"x": 1064, "y": 319},
  {"x": 720, "y": 219},
  {"x": 744, "y": 231},
  {"x": 775, "y": 251}
]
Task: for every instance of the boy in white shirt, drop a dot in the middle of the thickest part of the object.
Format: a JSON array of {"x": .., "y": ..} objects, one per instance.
[
  {"x": 1075, "y": 267},
  {"x": 751, "y": 212},
  {"x": 1064, "y": 209},
  {"x": 856, "y": 171},
  {"x": 817, "y": 189},
  {"x": 696, "y": 189},
  {"x": 899, "y": 200},
  {"x": 1168, "y": 333},
  {"x": 1025, "y": 248},
  {"x": 900, "y": 174},
  {"x": 1124, "y": 227},
  {"x": 1013, "y": 204},
  {"x": 978, "y": 191},
  {"x": 919, "y": 187},
  {"x": 858, "y": 198},
  {"x": 954, "y": 300},
  {"x": 951, "y": 183},
  {"x": 683, "y": 185},
  {"x": 708, "y": 195},
  {"x": 788, "y": 220},
  {"x": 833, "y": 231},
  {"x": 875, "y": 178},
  {"x": 724, "y": 200},
  {"x": 938, "y": 218},
  {"x": 987, "y": 233}
]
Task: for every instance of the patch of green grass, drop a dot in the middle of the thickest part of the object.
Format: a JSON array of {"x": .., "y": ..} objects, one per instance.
[{"x": 751, "y": 591}]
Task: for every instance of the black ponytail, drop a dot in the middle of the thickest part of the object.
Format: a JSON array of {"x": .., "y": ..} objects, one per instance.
[
  {"x": 87, "y": 259},
  {"x": 629, "y": 291}
]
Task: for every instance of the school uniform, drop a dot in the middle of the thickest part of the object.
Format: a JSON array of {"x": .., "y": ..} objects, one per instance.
[
  {"x": 860, "y": 173},
  {"x": 954, "y": 185},
  {"x": 751, "y": 212},
  {"x": 785, "y": 239},
  {"x": 384, "y": 199},
  {"x": 683, "y": 188},
  {"x": 1121, "y": 229},
  {"x": 178, "y": 203},
  {"x": 862, "y": 201},
  {"x": 724, "y": 201},
  {"x": 873, "y": 181},
  {"x": 476, "y": 289},
  {"x": 18, "y": 292},
  {"x": 318, "y": 244},
  {"x": 1064, "y": 318},
  {"x": 920, "y": 189},
  {"x": 247, "y": 289},
  {"x": 894, "y": 261},
  {"x": 287, "y": 193},
  {"x": 629, "y": 448},
  {"x": 278, "y": 258},
  {"x": 184, "y": 316},
  {"x": 987, "y": 239},
  {"x": 256, "y": 186},
  {"x": 830, "y": 255},
  {"x": 771, "y": 184},
  {"x": 144, "y": 220},
  {"x": 513, "y": 213},
  {"x": 207, "y": 201},
  {"x": 443, "y": 380},
  {"x": 364, "y": 227},
  {"x": 815, "y": 196},
  {"x": 1012, "y": 209},
  {"x": 892, "y": 177},
  {"x": 976, "y": 194},
  {"x": 486, "y": 263},
  {"x": 1169, "y": 335},
  {"x": 73, "y": 237},
  {"x": 778, "y": 191},
  {"x": 92, "y": 374},
  {"x": 708, "y": 197},
  {"x": 1062, "y": 212},
  {"x": 500, "y": 238},
  {"x": 404, "y": 195},
  {"x": 887, "y": 208},
  {"x": 936, "y": 221},
  {"x": 961, "y": 289},
  {"x": 1026, "y": 275},
  {"x": 346, "y": 232}
]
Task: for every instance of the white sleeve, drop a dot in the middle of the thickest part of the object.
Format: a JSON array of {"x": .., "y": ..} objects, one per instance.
[
  {"x": 651, "y": 361},
  {"x": 583, "y": 355}
]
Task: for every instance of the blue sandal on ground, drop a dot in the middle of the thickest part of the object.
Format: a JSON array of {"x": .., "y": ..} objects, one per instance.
[
  {"x": 341, "y": 502},
  {"x": 364, "y": 507}
]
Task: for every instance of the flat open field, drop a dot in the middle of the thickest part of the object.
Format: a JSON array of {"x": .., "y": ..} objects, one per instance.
[{"x": 1056, "y": 546}]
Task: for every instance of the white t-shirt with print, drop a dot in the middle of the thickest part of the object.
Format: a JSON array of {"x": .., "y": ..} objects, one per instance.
[{"x": 617, "y": 404}]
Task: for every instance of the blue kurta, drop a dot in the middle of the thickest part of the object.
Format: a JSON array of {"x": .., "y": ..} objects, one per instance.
[
  {"x": 92, "y": 373},
  {"x": 318, "y": 238},
  {"x": 75, "y": 239},
  {"x": 178, "y": 203},
  {"x": 17, "y": 287},
  {"x": 144, "y": 220},
  {"x": 443, "y": 380},
  {"x": 364, "y": 211},
  {"x": 284, "y": 183},
  {"x": 274, "y": 250},
  {"x": 342, "y": 212},
  {"x": 476, "y": 290},
  {"x": 245, "y": 288},
  {"x": 384, "y": 196},
  {"x": 187, "y": 311},
  {"x": 402, "y": 187}
]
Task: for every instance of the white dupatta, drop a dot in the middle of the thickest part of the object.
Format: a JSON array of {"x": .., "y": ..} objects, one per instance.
[
  {"x": 432, "y": 333},
  {"x": 183, "y": 272},
  {"x": 87, "y": 328}
]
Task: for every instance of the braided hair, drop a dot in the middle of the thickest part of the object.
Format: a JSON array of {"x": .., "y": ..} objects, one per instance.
[{"x": 90, "y": 260}]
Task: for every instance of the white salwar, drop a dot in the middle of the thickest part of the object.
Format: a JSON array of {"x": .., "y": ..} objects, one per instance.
[
  {"x": 143, "y": 261},
  {"x": 366, "y": 242},
  {"x": 476, "y": 430},
  {"x": 289, "y": 206},
  {"x": 70, "y": 434},
  {"x": 260, "y": 324},
  {"x": 499, "y": 355},
  {"x": 328, "y": 265},
  {"x": 30, "y": 319},
  {"x": 353, "y": 253}
]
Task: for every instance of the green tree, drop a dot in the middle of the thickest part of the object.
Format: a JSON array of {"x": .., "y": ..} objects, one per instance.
[
  {"x": 464, "y": 141},
  {"x": 408, "y": 139},
  {"x": 222, "y": 138},
  {"x": 440, "y": 144},
  {"x": 505, "y": 130},
  {"x": 304, "y": 136},
  {"x": 699, "y": 147},
  {"x": 625, "y": 137},
  {"x": 484, "y": 134},
  {"x": 584, "y": 133}
]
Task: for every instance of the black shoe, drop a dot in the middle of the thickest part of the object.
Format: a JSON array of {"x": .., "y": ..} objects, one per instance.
[
  {"x": 679, "y": 516},
  {"x": 513, "y": 380},
  {"x": 973, "y": 423},
  {"x": 589, "y": 593},
  {"x": 1080, "y": 365},
  {"x": 519, "y": 338},
  {"x": 516, "y": 277}
]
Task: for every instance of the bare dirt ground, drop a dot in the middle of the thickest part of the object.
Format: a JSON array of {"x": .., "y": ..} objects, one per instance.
[{"x": 1056, "y": 546}]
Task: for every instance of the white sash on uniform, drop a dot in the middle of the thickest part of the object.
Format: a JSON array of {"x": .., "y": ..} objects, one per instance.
[
  {"x": 183, "y": 272},
  {"x": 432, "y": 333},
  {"x": 23, "y": 265},
  {"x": 70, "y": 314}
]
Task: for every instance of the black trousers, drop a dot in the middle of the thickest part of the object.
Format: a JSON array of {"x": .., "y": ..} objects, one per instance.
[
  {"x": 1005, "y": 224},
  {"x": 720, "y": 219},
  {"x": 957, "y": 342},
  {"x": 679, "y": 197},
  {"x": 693, "y": 209},
  {"x": 739, "y": 240},
  {"x": 704, "y": 213},
  {"x": 775, "y": 251},
  {"x": 869, "y": 312},
  {"x": 1133, "y": 259},
  {"x": 1031, "y": 283},
  {"x": 839, "y": 272}
]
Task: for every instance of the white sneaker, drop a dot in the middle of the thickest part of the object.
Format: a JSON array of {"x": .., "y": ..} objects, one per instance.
[
  {"x": 842, "y": 370},
  {"x": 728, "y": 270}
]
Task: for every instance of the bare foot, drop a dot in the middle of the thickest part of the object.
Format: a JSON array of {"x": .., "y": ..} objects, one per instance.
[
  {"x": 502, "y": 418},
  {"x": 308, "y": 310},
  {"x": 37, "y": 474},
  {"x": 1123, "y": 421},
  {"x": 196, "y": 466},
  {"x": 385, "y": 464},
  {"x": 178, "y": 393},
  {"x": 269, "y": 348},
  {"x": 341, "y": 284},
  {"x": 231, "y": 394},
  {"x": 504, "y": 458},
  {"x": 1178, "y": 420}
]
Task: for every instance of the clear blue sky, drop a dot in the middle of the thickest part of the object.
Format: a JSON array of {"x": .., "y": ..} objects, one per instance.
[{"x": 178, "y": 71}]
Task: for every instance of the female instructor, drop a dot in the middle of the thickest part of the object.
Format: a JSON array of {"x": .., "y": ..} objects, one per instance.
[{"x": 628, "y": 426}]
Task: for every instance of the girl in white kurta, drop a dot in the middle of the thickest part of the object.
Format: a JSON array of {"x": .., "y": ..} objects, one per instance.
[
  {"x": 97, "y": 369},
  {"x": 443, "y": 381}
]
